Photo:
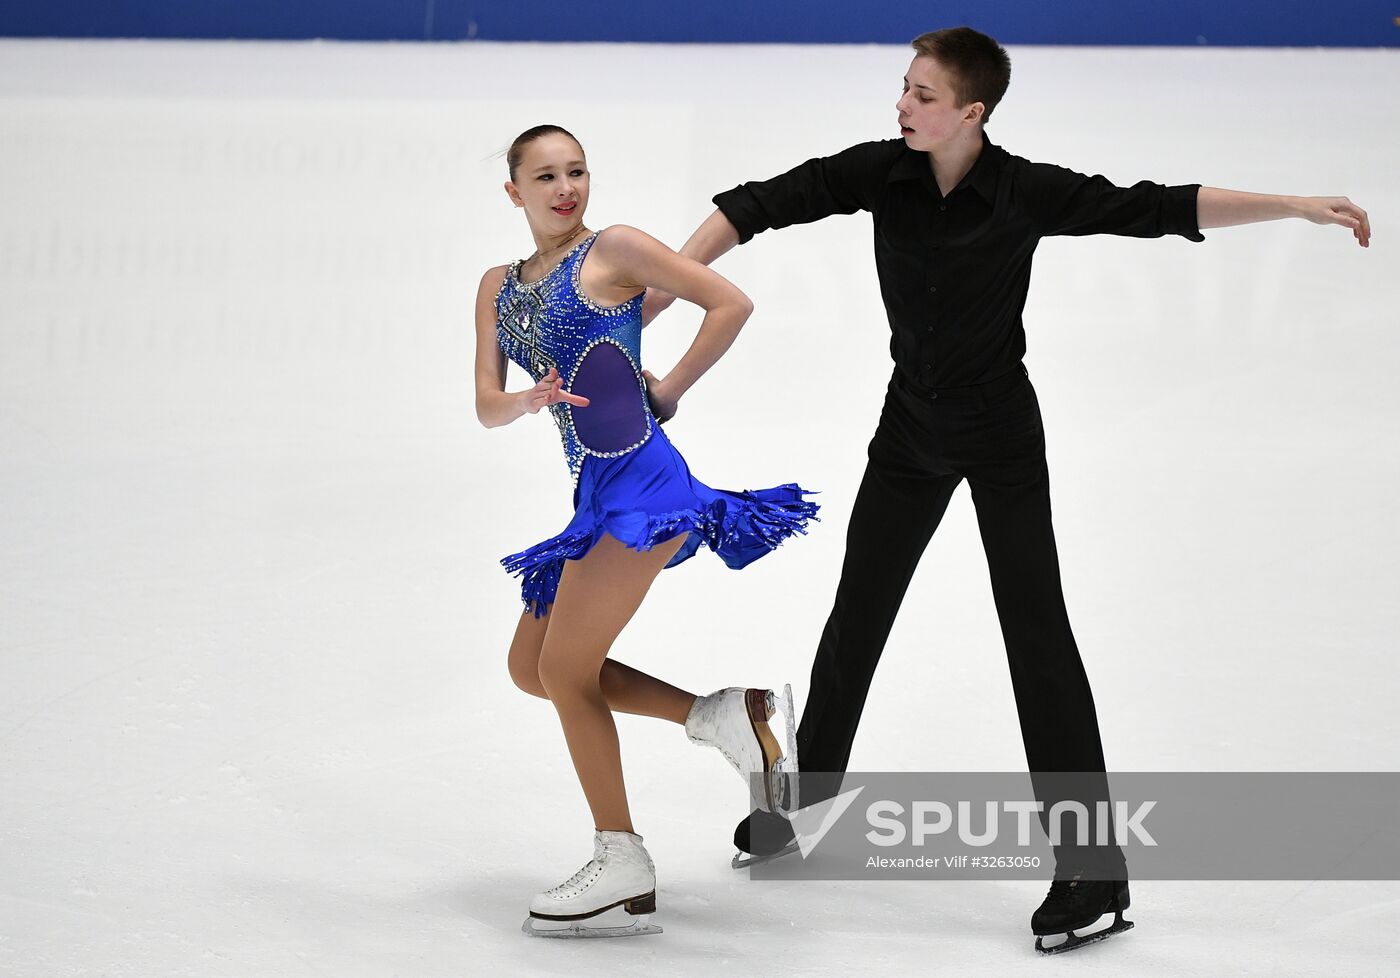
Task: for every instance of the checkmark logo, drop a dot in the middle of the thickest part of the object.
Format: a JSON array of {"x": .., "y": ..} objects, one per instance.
[{"x": 810, "y": 825}]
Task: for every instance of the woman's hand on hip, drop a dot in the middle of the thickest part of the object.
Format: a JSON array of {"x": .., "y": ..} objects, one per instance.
[{"x": 663, "y": 402}]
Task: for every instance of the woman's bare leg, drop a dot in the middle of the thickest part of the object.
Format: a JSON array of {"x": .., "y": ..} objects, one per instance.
[
  {"x": 627, "y": 690},
  {"x": 598, "y": 595}
]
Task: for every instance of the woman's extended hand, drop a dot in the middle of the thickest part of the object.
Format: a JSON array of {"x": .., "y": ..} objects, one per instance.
[
  {"x": 663, "y": 403},
  {"x": 1336, "y": 210},
  {"x": 550, "y": 390}
]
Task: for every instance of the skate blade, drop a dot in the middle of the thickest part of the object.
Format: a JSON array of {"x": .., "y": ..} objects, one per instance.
[
  {"x": 761, "y": 705},
  {"x": 611, "y": 923},
  {"x": 1073, "y": 940},
  {"x": 785, "y": 789},
  {"x": 743, "y": 859}
]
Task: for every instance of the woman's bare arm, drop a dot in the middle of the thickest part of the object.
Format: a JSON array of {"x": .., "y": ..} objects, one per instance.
[
  {"x": 634, "y": 259},
  {"x": 494, "y": 405},
  {"x": 711, "y": 239}
]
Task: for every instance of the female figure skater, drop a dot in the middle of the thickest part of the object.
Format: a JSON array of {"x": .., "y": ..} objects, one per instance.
[{"x": 570, "y": 315}]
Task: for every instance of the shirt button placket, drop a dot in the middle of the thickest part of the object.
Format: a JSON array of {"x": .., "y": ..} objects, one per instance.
[{"x": 942, "y": 206}]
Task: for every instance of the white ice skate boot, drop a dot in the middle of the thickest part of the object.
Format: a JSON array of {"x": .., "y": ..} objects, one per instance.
[
  {"x": 619, "y": 878},
  {"x": 734, "y": 721}
]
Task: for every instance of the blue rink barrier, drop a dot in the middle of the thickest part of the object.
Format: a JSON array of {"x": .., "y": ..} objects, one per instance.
[{"x": 1229, "y": 23}]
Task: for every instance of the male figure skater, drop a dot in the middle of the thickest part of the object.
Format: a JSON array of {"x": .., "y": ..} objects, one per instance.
[{"x": 956, "y": 221}]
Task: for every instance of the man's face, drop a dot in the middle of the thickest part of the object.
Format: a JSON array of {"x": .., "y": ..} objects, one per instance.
[{"x": 929, "y": 116}]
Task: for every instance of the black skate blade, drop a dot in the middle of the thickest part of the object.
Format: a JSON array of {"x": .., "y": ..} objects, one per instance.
[
  {"x": 745, "y": 859},
  {"x": 614, "y": 922},
  {"x": 1073, "y": 940}
]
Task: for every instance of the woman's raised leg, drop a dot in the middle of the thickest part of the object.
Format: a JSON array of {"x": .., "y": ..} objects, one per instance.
[{"x": 627, "y": 690}]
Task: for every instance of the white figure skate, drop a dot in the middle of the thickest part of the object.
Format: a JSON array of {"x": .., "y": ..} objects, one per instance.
[
  {"x": 618, "y": 883},
  {"x": 734, "y": 721}
]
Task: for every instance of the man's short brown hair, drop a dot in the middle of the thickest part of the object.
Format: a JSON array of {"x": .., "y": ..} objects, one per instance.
[{"x": 978, "y": 66}]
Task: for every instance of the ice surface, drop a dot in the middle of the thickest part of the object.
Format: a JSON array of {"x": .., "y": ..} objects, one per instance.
[{"x": 255, "y": 717}]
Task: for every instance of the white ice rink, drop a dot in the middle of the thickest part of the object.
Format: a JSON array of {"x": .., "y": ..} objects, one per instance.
[{"x": 255, "y": 718}]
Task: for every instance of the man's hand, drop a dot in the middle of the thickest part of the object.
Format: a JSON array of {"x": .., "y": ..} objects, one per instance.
[
  {"x": 1219, "y": 208},
  {"x": 654, "y": 303},
  {"x": 1337, "y": 210},
  {"x": 663, "y": 404}
]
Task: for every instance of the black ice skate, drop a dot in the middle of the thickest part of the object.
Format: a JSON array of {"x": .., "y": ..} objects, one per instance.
[
  {"x": 761, "y": 837},
  {"x": 1075, "y": 904}
]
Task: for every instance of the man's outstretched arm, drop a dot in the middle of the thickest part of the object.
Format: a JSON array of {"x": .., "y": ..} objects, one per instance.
[
  {"x": 1064, "y": 201},
  {"x": 822, "y": 186},
  {"x": 711, "y": 239},
  {"x": 1217, "y": 208}
]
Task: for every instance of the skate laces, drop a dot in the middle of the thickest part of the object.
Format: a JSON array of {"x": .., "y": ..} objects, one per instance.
[
  {"x": 604, "y": 849},
  {"x": 1062, "y": 891},
  {"x": 577, "y": 881},
  {"x": 623, "y": 851}
]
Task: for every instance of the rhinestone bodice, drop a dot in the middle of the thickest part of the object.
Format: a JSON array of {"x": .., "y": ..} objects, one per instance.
[{"x": 551, "y": 323}]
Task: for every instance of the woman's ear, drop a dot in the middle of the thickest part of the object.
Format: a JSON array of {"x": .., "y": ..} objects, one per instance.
[{"x": 513, "y": 194}]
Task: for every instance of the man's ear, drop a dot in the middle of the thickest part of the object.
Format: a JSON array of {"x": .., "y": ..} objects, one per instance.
[{"x": 975, "y": 111}]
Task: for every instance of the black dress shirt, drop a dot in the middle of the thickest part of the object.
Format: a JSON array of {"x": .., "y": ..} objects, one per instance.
[{"x": 954, "y": 270}]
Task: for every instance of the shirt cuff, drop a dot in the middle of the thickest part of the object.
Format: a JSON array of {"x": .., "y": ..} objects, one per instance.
[
  {"x": 1181, "y": 212},
  {"x": 742, "y": 210}
]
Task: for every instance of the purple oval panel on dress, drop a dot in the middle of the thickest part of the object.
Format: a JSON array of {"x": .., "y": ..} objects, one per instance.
[{"x": 615, "y": 418}]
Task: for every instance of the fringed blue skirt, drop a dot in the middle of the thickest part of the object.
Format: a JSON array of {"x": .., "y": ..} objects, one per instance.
[{"x": 647, "y": 497}]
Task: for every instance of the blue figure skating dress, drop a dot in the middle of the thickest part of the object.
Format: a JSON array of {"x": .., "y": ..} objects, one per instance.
[{"x": 629, "y": 480}]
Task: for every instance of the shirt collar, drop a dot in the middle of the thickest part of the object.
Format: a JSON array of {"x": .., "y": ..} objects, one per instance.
[{"x": 914, "y": 165}]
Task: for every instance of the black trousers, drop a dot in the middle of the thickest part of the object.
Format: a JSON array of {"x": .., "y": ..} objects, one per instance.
[{"x": 926, "y": 443}]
